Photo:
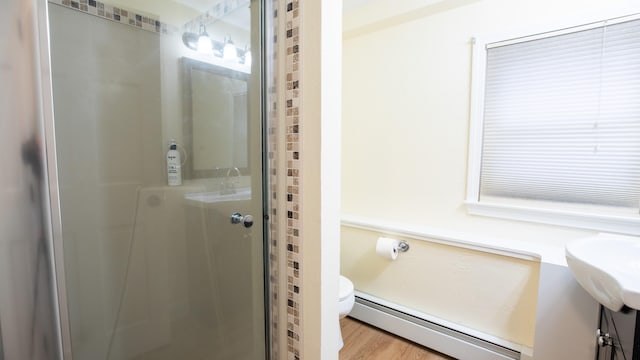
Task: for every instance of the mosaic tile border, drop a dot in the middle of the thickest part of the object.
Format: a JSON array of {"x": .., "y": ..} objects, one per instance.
[
  {"x": 294, "y": 184},
  {"x": 272, "y": 153},
  {"x": 291, "y": 177},
  {"x": 118, "y": 14},
  {"x": 141, "y": 20},
  {"x": 216, "y": 12}
]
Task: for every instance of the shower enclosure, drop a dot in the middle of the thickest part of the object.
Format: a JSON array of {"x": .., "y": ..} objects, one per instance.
[{"x": 147, "y": 270}]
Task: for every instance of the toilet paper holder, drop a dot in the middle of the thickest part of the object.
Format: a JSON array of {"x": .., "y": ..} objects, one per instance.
[{"x": 403, "y": 246}]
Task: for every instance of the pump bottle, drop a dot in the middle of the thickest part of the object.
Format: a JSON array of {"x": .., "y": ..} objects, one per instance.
[{"x": 174, "y": 165}]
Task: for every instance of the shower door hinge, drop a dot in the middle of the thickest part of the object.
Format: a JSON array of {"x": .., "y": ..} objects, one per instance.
[{"x": 605, "y": 339}]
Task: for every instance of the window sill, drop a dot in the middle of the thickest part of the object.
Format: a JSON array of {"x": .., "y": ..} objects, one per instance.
[{"x": 617, "y": 224}]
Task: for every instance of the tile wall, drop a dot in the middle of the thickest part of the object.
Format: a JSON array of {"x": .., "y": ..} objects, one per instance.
[
  {"x": 114, "y": 13},
  {"x": 293, "y": 181},
  {"x": 286, "y": 27},
  {"x": 273, "y": 164}
]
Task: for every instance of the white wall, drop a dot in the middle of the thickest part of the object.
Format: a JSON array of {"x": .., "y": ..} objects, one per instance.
[
  {"x": 406, "y": 113},
  {"x": 320, "y": 142},
  {"x": 406, "y": 89}
]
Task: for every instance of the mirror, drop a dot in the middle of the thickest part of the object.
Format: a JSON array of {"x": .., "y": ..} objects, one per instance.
[{"x": 215, "y": 106}]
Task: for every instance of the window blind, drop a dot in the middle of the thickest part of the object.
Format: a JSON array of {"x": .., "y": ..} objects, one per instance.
[{"x": 562, "y": 118}]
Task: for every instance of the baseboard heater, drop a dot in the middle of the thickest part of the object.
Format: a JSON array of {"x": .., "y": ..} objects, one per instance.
[{"x": 444, "y": 339}]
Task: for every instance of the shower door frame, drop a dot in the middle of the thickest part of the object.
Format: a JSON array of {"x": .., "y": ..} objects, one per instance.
[
  {"x": 52, "y": 170},
  {"x": 47, "y": 107}
]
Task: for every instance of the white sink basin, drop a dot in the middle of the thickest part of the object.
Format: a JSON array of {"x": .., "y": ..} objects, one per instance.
[
  {"x": 218, "y": 196},
  {"x": 607, "y": 266}
]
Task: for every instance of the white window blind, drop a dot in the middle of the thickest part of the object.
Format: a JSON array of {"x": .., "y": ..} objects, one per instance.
[{"x": 562, "y": 118}]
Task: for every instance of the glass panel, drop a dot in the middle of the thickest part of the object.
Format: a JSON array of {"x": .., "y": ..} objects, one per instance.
[
  {"x": 158, "y": 130},
  {"x": 28, "y": 326}
]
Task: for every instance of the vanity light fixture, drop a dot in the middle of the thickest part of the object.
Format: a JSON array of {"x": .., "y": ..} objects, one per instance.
[
  {"x": 227, "y": 50},
  {"x": 200, "y": 42}
]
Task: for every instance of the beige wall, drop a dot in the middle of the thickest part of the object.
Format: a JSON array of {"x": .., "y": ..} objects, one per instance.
[
  {"x": 406, "y": 88},
  {"x": 438, "y": 280}
]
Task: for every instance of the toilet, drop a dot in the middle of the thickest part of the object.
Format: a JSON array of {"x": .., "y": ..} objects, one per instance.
[{"x": 346, "y": 299}]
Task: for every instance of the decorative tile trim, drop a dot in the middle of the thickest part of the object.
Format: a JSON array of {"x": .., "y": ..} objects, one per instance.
[
  {"x": 272, "y": 152},
  {"x": 120, "y": 15},
  {"x": 285, "y": 176},
  {"x": 149, "y": 22},
  {"x": 216, "y": 12},
  {"x": 293, "y": 180}
]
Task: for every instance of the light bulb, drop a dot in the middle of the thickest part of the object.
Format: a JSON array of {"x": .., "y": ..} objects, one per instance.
[
  {"x": 230, "y": 52},
  {"x": 204, "y": 44}
]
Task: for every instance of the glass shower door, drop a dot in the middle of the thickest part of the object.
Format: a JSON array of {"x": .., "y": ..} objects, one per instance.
[{"x": 158, "y": 142}]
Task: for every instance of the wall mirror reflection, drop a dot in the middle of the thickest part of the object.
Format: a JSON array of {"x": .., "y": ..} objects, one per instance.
[{"x": 215, "y": 109}]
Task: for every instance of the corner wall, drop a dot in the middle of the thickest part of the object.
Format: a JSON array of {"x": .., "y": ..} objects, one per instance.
[{"x": 304, "y": 153}]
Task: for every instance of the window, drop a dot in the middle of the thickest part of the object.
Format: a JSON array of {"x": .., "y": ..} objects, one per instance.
[{"x": 556, "y": 128}]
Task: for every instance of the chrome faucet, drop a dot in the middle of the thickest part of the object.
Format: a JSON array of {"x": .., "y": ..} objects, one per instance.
[{"x": 228, "y": 186}]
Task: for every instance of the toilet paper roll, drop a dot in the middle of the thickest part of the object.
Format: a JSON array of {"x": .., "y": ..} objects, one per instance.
[{"x": 387, "y": 248}]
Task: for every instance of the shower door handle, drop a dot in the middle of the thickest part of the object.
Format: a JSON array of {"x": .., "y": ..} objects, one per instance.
[{"x": 245, "y": 220}]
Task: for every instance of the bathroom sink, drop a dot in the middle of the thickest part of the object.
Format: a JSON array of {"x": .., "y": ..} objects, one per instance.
[
  {"x": 219, "y": 196},
  {"x": 607, "y": 266}
]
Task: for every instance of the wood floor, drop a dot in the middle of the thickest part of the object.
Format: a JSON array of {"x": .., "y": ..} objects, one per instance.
[{"x": 362, "y": 341}]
